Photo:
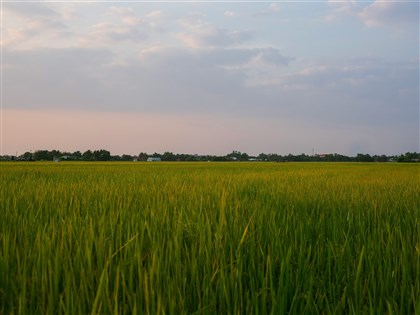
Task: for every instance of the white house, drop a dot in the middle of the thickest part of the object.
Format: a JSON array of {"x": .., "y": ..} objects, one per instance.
[{"x": 153, "y": 159}]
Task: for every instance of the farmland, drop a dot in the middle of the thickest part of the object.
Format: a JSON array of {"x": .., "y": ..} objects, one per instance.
[{"x": 209, "y": 238}]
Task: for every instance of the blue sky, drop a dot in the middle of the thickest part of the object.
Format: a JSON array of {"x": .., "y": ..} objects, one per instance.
[{"x": 209, "y": 78}]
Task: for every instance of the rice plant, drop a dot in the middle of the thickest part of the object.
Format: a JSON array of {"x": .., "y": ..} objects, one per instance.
[{"x": 209, "y": 238}]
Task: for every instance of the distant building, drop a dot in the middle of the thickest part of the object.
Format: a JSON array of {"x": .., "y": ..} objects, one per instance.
[
  {"x": 62, "y": 158},
  {"x": 154, "y": 159}
]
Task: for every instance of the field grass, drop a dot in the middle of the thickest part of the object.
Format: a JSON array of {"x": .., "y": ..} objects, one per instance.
[{"x": 209, "y": 238}]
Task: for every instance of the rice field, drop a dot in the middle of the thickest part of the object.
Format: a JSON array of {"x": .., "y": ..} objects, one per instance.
[{"x": 209, "y": 238}]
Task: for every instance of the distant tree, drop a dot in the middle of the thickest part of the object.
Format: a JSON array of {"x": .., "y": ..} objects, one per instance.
[
  {"x": 263, "y": 157},
  {"x": 143, "y": 156},
  {"x": 126, "y": 157},
  {"x": 380, "y": 158},
  {"x": 237, "y": 156},
  {"x": 363, "y": 158},
  {"x": 87, "y": 155},
  {"x": 182, "y": 157},
  {"x": 168, "y": 156},
  {"x": 300, "y": 158},
  {"x": 42, "y": 155},
  {"x": 101, "y": 155},
  {"x": 27, "y": 156},
  {"x": 104, "y": 155},
  {"x": 157, "y": 155},
  {"x": 273, "y": 157},
  {"x": 220, "y": 158},
  {"x": 409, "y": 157},
  {"x": 77, "y": 155},
  {"x": 54, "y": 153},
  {"x": 244, "y": 157},
  {"x": 115, "y": 158}
]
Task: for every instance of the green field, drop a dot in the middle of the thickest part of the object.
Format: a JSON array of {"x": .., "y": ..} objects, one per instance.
[{"x": 209, "y": 238}]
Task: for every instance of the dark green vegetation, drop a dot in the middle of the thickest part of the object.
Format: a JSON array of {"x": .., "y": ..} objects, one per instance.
[
  {"x": 208, "y": 238},
  {"x": 104, "y": 155}
]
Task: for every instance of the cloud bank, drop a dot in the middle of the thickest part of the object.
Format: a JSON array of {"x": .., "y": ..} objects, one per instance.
[{"x": 224, "y": 64}]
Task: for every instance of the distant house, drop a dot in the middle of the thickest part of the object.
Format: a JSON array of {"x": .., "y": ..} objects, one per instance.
[
  {"x": 154, "y": 159},
  {"x": 62, "y": 158}
]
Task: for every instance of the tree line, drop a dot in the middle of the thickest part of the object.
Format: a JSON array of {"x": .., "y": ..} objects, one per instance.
[{"x": 105, "y": 155}]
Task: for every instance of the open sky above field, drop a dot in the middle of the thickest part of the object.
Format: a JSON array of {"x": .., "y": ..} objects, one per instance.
[{"x": 209, "y": 78}]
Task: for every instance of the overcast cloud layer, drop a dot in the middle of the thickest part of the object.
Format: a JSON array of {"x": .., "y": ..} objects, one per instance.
[{"x": 211, "y": 78}]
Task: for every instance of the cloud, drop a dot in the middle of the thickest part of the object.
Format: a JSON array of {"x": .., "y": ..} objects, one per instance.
[
  {"x": 126, "y": 16},
  {"x": 157, "y": 20},
  {"x": 390, "y": 13},
  {"x": 124, "y": 24},
  {"x": 340, "y": 9},
  {"x": 273, "y": 9},
  {"x": 134, "y": 61},
  {"x": 182, "y": 81},
  {"x": 54, "y": 78},
  {"x": 229, "y": 13},
  {"x": 213, "y": 37},
  {"x": 38, "y": 25},
  {"x": 366, "y": 92},
  {"x": 199, "y": 34},
  {"x": 337, "y": 103},
  {"x": 377, "y": 14},
  {"x": 30, "y": 10},
  {"x": 273, "y": 56},
  {"x": 32, "y": 24},
  {"x": 240, "y": 81},
  {"x": 156, "y": 14},
  {"x": 354, "y": 74},
  {"x": 121, "y": 25},
  {"x": 249, "y": 57},
  {"x": 161, "y": 79},
  {"x": 109, "y": 32}
]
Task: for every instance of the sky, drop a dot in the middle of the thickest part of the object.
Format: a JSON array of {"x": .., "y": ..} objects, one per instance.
[{"x": 209, "y": 78}]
